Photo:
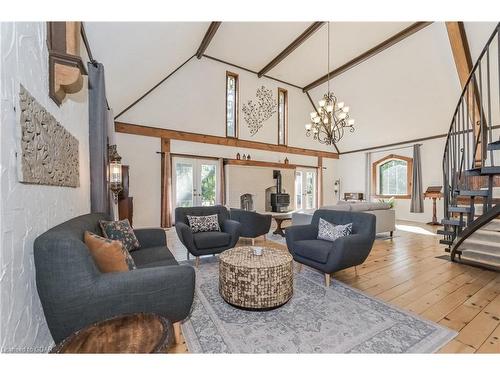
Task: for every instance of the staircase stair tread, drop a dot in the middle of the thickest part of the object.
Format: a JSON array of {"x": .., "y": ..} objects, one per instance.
[
  {"x": 473, "y": 261},
  {"x": 459, "y": 209},
  {"x": 494, "y": 145},
  {"x": 446, "y": 242},
  {"x": 445, "y": 232},
  {"x": 453, "y": 222},
  {"x": 490, "y": 170},
  {"x": 473, "y": 193}
]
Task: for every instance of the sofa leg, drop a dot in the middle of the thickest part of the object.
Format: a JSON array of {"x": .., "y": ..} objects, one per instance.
[
  {"x": 391, "y": 233},
  {"x": 356, "y": 270},
  {"x": 327, "y": 280},
  {"x": 265, "y": 238},
  {"x": 187, "y": 255},
  {"x": 253, "y": 241},
  {"x": 177, "y": 332},
  {"x": 197, "y": 262}
]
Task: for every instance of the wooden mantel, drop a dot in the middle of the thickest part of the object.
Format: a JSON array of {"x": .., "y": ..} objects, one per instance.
[
  {"x": 149, "y": 131},
  {"x": 257, "y": 163}
]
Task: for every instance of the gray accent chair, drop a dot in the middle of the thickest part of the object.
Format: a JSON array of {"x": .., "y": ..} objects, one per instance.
[
  {"x": 328, "y": 256},
  {"x": 253, "y": 224},
  {"x": 206, "y": 243},
  {"x": 74, "y": 293}
]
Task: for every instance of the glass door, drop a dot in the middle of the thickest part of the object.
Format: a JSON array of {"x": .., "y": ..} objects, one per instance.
[
  {"x": 194, "y": 182},
  {"x": 305, "y": 188}
]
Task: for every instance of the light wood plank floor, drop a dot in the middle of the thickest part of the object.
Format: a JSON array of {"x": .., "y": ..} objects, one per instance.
[{"x": 405, "y": 272}]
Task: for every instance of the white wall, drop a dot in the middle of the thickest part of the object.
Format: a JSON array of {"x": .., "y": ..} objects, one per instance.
[
  {"x": 350, "y": 168},
  {"x": 29, "y": 210}
]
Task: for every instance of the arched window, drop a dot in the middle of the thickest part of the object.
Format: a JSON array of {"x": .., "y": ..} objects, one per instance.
[{"x": 392, "y": 176}]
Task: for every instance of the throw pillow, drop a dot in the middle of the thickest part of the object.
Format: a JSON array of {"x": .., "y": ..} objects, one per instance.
[
  {"x": 109, "y": 255},
  {"x": 208, "y": 223},
  {"x": 330, "y": 232},
  {"x": 121, "y": 231}
]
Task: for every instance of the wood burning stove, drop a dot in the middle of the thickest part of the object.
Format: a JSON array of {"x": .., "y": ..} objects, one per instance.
[{"x": 279, "y": 201}]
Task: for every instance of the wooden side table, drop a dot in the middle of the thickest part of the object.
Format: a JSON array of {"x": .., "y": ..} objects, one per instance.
[
  {"x": 279, "y": 221},
  {"x": 133, "y": 333}
]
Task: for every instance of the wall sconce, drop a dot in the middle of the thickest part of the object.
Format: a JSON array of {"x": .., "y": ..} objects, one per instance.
[{"x": 115, "y": 172}]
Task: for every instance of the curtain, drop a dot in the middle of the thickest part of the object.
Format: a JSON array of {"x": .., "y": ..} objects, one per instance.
[
  {"x": 368, "y": 176},
  {"x": 222, "y": 198},
  {"x": 98, "y": 140},
  {"x": 417, "y": 200}
]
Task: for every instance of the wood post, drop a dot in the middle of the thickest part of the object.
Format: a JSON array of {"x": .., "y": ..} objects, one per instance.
[
  {"x": 320, "y": 181},
  {"x": 166, "y": 184}
]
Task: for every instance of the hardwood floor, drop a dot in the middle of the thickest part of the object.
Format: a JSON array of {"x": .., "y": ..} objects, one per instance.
[{"x": 405, "y": 272}]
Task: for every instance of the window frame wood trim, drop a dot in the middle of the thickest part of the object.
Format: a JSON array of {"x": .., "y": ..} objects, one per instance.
[
  {"x": 237, "y": 104},
  {"x": 285, "y": 91},
  {"x": 409, "y": 176}
]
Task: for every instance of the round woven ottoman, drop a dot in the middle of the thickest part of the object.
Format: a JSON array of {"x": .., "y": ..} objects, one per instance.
[{"x": 256, "y": 282}]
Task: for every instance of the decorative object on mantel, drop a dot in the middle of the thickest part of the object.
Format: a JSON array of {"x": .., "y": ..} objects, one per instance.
[
  {"x": 238, "y": 156},
  {"x": 286, "y": 161},
  {"x": 434, "y": 193},
  {"x": 329, "y": 122},
  {"x": 49, "y": 153},
  {"x": 65, "y": 64},
  {"x": 244, "y": 157},
  {"x": 248, "y": 157},
  {"x": 115, "y": 172},
  {"x": 255, "y": 114}
]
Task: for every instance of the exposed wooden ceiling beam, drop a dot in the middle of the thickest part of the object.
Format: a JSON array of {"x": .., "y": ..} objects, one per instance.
[
  {"x": 291, "y": 47},
  {"x": 122, "y": 127},
  {"x": 417, "y": 26},
  {"x": 212, "y": 29}
]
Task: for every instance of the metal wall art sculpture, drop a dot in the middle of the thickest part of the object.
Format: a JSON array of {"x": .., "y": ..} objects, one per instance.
[
  {"x": 255, "y": 114},
  {"x": 49, "y": 153}
]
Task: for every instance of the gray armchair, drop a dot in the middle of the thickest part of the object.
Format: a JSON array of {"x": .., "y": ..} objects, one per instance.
[
  {"x": 74, "y": 293},
  {"x": 327, "y": 256},
  {"x": 253, "y": 224},
  {"x": 206, "y": 243}
]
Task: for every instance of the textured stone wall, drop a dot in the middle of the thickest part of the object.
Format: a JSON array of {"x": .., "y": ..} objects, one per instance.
[{"x": 26, "y": 211}]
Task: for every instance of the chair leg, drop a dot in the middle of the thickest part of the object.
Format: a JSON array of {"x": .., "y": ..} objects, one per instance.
[
  {"x": 299, "y": 267},
  {"x": 327, "y": 280},
  {"x": 253, "y": 241},
  {"x": 197, "y": 262},
  {"x": 177, "y": 332}
]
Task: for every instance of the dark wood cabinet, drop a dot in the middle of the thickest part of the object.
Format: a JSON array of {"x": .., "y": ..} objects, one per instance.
[{"x": 125, "y": 202}]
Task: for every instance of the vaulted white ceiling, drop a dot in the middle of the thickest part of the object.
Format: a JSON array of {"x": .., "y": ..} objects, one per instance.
[{"x": 404, "y": 92}]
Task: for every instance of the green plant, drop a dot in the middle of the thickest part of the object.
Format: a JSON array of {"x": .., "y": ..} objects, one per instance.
[{"x": 391, "y": 201}]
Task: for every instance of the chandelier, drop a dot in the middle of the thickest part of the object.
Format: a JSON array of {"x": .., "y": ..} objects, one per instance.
[{"x": 331, "y": 119}]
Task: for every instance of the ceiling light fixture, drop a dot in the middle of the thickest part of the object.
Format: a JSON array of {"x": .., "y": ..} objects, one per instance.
[{"x": 330, "y": 121}]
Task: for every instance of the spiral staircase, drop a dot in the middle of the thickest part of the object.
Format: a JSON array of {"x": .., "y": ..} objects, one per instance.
[{"x": 471, "y": 166}]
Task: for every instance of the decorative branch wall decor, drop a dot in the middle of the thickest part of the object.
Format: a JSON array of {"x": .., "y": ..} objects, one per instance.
[
  {"x": 255, "y": 114},
  {"x": 49, "y": 153}
]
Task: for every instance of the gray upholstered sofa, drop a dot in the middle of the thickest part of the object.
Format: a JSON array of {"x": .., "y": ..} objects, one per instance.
[
  {"x": 206, "y": 243},
  {"x": 74, "y": 293},
  {"x": 328, "y": 256},
  {"x": 386, "y": 216},
  {"x": 252, "y": 223}
]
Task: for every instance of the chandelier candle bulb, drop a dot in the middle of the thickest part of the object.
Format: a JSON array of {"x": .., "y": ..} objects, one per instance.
[
  {"x": 322, "y": 103},
  {"x": 345, "y": 109}
]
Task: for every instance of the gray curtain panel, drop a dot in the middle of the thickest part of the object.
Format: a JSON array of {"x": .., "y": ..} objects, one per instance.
[
  {"x": 98, "y": 140},
  {"x": 417, "y": 198}
]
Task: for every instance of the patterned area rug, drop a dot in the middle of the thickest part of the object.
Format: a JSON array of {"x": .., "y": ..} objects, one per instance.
[{"x": 317, "y": 319}]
